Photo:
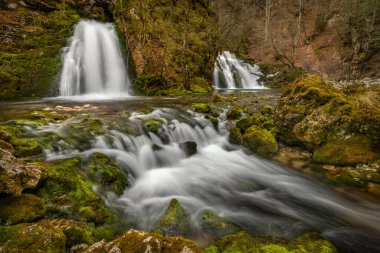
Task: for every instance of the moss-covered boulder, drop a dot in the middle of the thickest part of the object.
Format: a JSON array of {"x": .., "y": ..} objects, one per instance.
[
  {"x": 234, "y": 113},
  {"x": 68, "y": 194},
  {"x": 235, "y": 135},
  {"x": 260, "y": 141},
  {"x": 199, "y": 85},
  {"x": 31, "y": 238},
  {"x": 243, "y": 242},
  {"x": 19, "y": 209},
  {"x": 354, "y": 150},
  {"x": 215, "y": 225},
  {"x": 103, "y": 171},
  {"x": 140, "y": 241},
  {"x": 26, "y": 147},
  {"x": 202, "y": 108},
  {"x": 17, "y": 175},
  {"x": 175, "y": 221},
  {"x": 153, "y": 126}
]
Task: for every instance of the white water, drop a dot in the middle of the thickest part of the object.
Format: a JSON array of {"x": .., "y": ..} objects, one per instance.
[
  {"x": 93, "y": 63},
  {"x": 233, "y": 73},
  {"x": 256, "y": 194}
]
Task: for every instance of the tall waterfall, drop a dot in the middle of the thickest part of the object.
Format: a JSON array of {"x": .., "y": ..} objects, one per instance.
[
  {"x": 233, "y": 73},
  {"x": 93, "y": 63}
]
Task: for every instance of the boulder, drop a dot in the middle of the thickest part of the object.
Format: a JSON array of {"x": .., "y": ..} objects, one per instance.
[
  {"x": 202, "y": 108},
  {"x": 234, "y": 112},
  {"x": 17, "y": 175},
  {"x": 260, "y": 141}
]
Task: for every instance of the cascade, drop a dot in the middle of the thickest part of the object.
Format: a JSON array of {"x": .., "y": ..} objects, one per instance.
[
  {"x": 93, "y": 63},
  {"x": 233, "y": 73}
]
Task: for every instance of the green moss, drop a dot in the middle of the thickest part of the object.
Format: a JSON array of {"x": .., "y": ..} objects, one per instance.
[
  {"x": 103, "y": 171},
  {"x": 202, "y": 108},
  {"x": 245, "y": 243},
  {"x": 67, "y": 194},
  {"x": 213, "y": 224},
  {"x": 175, "y": 221},
  {"x": 23, "y": 208},
  {"x": 235, "y": 135},
  {"x": 26, "y": 147},
  {"x": 234, "y": 113},
  {"x": 260, "y": 141},
  {"x": 199, "y": 85},
  {"x": 30, "y": 238},
  {"x": 153, "y": 126},
  {"x": 356, "y": 149},
  {"x": 266, "y": 110}
]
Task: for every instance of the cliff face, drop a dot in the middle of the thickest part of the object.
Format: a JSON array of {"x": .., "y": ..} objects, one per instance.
[{"x": 31, "y": 37}]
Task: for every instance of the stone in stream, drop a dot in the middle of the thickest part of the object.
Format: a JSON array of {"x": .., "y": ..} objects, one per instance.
[
  {"x": 189, "y": 147},
  {"x": 260, "y": 141}
]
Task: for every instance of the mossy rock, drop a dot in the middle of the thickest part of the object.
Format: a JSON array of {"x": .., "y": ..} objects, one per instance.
[
  {"x": 6, "y": 146},
  {"x": 140, "y": 241},
  {"x": 213, "y": 224},
  {"x": 354, "y": 150},
  {"x": 266, "y": 110},
  {"x": 260, "y": 141},
  {"x": 153, "y": 126},
  {"x": 103, "y": 171},
  {"x": 5, "y": 136},
  {"x": 199, "y": 85},
  {"x": 245, "y": 243},
  {"x": 175, "y": 221},
  {"x": 26, "y": 147},
  {"x": 235, "y": 135},
  {"x": 202, "y": 108},
  {"x": 31, "y": 238},
  {"x": 234, "y": 113},
  {"x": 67, "y": 194},
  {"x": 20, "y": 209},
  {"x": 217, "y": 98}
]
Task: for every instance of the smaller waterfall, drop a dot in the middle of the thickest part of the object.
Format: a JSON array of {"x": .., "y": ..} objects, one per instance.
[
  {"x": 93, "y": 63},
  {"x": 233, "y": 73}
]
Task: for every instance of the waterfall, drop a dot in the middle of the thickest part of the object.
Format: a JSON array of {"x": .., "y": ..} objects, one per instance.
[
  {"x": 93, "y": 63},
  {"x": 233, "y": 73}
]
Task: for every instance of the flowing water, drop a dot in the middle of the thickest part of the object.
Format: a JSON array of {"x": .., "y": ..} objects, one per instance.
[
  {"x": 258, "y": 195},
  {"x": 93, "y": 63},
  {"x": 233, "y": 73}
]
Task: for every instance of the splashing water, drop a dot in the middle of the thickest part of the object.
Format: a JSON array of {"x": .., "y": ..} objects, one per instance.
[
  {"x": 258, "y": 195},
  {"x": 232, "y": 73},
  {"x": 93, "y": 63}
]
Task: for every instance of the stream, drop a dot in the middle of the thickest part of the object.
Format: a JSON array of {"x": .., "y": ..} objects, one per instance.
[{"x": 258, "y": 195}]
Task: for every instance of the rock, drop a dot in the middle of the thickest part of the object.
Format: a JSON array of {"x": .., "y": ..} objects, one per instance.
[
  {"x": 213, "y": 224},
  {"x": 189, "y": 147},
  {"x": 153, "y": 126},
  {"x": 31, "y": 238},
  {"x": 235, "y": 135},
  {"x": 5, "y": 136},
  {"x": 202, "y": 108},
  {"x": 234, "y": 113},
  {"x": 266, "y": 110},
  {"x": 6, "y": 146},
  {"x": 260, "y": 141},
  {"x": 374, "y": 189},
  {"x": 16, "y": 175},
  {"x": 105, "y": 172},
  {"x": 175, "y": 221},
  {"x": 199, "y": 85},
  {"x": 354, "y": 150},
  {"x": 243, "y": 242},
  {"x": 23, "y": 208},
  {"x": 216, "y": 98},
  {"x": 26, "y": 147},
  {"x": 139, "y": 241}
]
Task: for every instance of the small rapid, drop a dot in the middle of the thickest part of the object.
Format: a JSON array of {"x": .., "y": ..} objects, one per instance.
[
  {"x": 93, "y": 63},
  {"x": 233, "y": 73},
  {"x": 258, "y": 195}
]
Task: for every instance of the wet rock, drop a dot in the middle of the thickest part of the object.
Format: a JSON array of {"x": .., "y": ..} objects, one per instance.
[
  {"x": 5, "y": 136},
  {"x": 354, "y": 150},
  {"x": 105, "y": 172},
  {"x": 216, "y": 98},
  {"x": 243, "y": 242},
  {"x": 139, "y": 241},
  {"x": 234, "y": 113},
  {"x": 6, "y": 146},
  {"x": 189, "y": 147},
  {"x": 16, "y": 175},
  {"x": 213, "y": 224},
  {"x": 153, "y": 126},
  {"x": 175, "y": 221},
  {"x": 260, "y": 141},
  {"x": 202, "y": 108},
  {"x": 26, "y": 147},
  {"x": 31, "y": 238},
  {"x": 235, "y": 135},
  {"x": 23, "y": 208}
]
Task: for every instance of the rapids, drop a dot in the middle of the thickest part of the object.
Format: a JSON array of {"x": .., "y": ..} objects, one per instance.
[{"x": 256, "y": 194}]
